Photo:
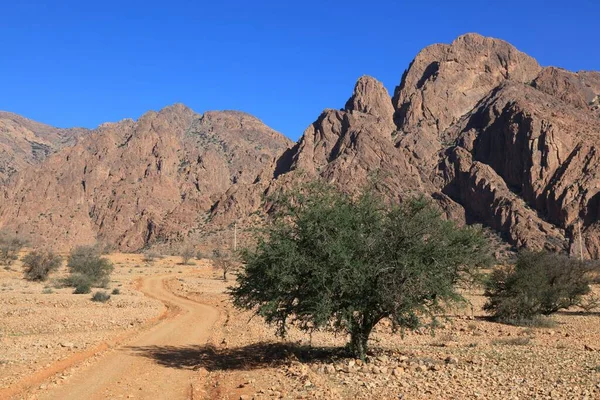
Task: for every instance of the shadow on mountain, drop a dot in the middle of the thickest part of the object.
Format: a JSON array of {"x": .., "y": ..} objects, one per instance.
[{"x": 254, "y": 356}]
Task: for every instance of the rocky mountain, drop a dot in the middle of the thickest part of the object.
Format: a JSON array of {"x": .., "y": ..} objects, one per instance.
[
  {"x": 24, "y": 142},
  {"x": 478, "y": 126},
  {"x": 482, "y": 128},
  {"x": 124, "y": 182}
]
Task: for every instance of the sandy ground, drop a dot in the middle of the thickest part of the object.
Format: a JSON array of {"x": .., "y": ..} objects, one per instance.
[{"x": 172, "y": 333}]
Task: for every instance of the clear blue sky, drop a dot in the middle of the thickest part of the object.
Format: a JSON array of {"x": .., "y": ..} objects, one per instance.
[{"x": 81, "y": 63}]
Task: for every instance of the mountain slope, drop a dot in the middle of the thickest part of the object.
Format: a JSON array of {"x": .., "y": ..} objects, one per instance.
[
  {"x": 123, "y": 181},
  {"x": 478, "y": 126},
  {"x": 24, "y": 142}
]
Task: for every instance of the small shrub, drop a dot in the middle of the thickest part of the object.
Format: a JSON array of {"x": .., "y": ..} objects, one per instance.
[
  {"x": 116, "y": 291},
  {"x": 199, "y": 255},
  {"x": 540, "y": 283},
  {"x": 86, "y": 261},
  {"x": 150, "y": 256},
  {"x": 186, "y": 253},
  {"x": 101, "y": 296},
  {"x": 82, "y": 287},
  {"x": 10, "y": 245},
  {"x": 38, "y": 264},
  {"x": 47, "y": 291}
]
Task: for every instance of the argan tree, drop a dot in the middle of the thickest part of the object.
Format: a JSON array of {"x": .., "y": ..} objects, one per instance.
[{"x": 332, "y": 261}]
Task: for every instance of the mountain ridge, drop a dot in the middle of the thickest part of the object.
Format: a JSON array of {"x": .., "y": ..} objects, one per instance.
[{"x": 481, "y": 128}]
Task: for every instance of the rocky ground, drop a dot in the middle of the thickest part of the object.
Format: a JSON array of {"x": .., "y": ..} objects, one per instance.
[
  {"x": 42, "y": 323},
  {"x": 469, "y": 357}
]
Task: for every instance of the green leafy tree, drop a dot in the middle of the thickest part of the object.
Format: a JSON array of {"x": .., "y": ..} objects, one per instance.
[
  {"x": 331, "y": 261},
  {"x": 86, "y": 264},
  {"x": 38, "y": 264},
  {"x": 540, "y": 283}
]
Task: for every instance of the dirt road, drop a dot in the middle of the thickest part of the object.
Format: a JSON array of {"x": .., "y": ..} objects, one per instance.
[{"x": 129, "y": 371}]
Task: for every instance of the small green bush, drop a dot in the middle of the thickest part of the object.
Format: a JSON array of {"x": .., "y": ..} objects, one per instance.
[
  {"x": 116, "y": 291},
  {"x": 38, "y": 264},
  {"x": 86, "y": 261},
  {"x": 82, "y": 287},
  {"x": 101, "y": 296},
  {"x": 540, "y": 283}
]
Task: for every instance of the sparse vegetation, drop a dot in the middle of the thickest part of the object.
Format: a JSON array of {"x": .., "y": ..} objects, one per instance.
[
  {"x": 10, "y": 245},
  {"x": 38, "y": 264},
  {"x": 101, "y": 296},
  {"x": 116, "y": 291},
  {"x": 540, "y": 283},
  {"x": 81, "y": 283},
  {"x": 223, "y": 262},
  {"x": 87, "y": 266},
  {"x": 517, "y": 341},
  {"x": 187, "y": 253},
  {"x": 150, "y": 256},
  {"x": 331, "y": 261}
]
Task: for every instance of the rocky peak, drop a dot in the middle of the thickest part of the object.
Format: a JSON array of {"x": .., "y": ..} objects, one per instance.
[
  {"x": 445, "y": 81},
  {"x": 371, "y": 97}
]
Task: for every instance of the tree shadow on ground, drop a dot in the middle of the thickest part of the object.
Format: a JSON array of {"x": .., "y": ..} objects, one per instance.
[{"x": 254, "y": 356}]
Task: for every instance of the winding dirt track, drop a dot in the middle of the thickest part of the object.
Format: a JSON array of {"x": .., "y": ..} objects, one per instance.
[{"x": 127, "y": 373}]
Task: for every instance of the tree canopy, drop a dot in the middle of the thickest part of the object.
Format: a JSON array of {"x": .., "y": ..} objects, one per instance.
[{"x": 333, "y": 261}]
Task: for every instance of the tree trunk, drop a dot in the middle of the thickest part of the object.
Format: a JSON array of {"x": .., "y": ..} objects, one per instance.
[{"x": 359, "y": 338}]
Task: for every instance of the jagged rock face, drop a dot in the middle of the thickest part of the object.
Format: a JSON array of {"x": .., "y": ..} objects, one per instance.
[
  {"x": 24, "y": 142},
  {"x": 480, "y": 127},
  {"x": 444, "y": 82},
  {"x": 476, "y": 125},
  {"x": 128, "y": 181}
]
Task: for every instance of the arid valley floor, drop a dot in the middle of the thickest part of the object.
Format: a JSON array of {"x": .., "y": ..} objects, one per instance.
[{"x": 172, "y": 333}]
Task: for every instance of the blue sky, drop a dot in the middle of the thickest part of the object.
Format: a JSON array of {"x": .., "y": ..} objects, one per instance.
[{"x": 81, "y": 63}]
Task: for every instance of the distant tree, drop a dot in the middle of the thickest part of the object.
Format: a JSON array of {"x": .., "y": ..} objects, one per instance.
[
  {"x": 540, "y": 283},
  {"x": 38, "y": 264},
  {"x": 187, "y": 252},
  {"x": 223, "y": 262},
  {"x": 331, "y": 261},
  {"x": 86, "y": 265},
  {"x": 10, "y": 246}
]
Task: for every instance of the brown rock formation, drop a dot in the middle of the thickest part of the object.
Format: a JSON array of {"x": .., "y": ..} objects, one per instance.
[
  {"x": 127, "y": 181},
  {"x": 478, "y": 126},
  {"x": 24, "y": 142}
]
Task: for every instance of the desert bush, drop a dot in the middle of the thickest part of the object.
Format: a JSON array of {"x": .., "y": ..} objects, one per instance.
[
  {"x": 333, "y": 261},
  {"x": 199, "y": 255},
  {"x": 47, "y": 291},
  {"x": 116, "y": 291},
  {"x": 186, "y": 253},
  {"x": 150, "y": 256},
  {"x": 81, "y": 283},
  {"x": 86, "y": 261},
  {"x": 38, "y": 264},
  {"x": 540, "y": 283},
  {"x": 223, "y": 262},
  {"x": 10, "y": 245},
  {"x": 101, "y": 296}
]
